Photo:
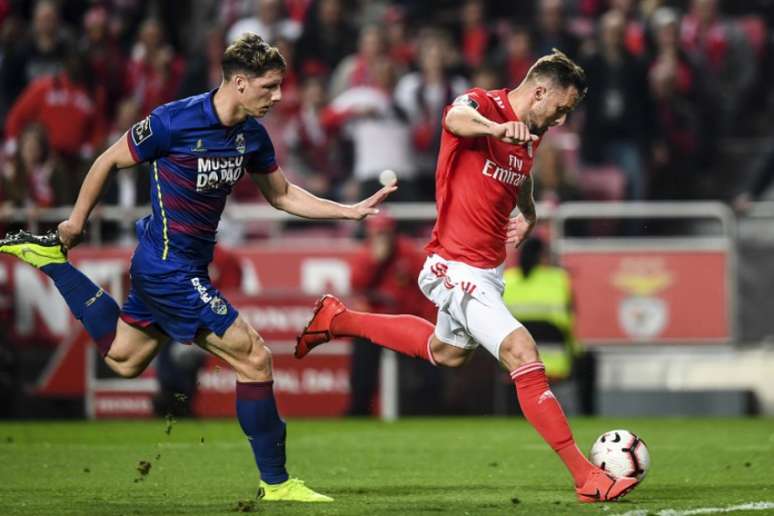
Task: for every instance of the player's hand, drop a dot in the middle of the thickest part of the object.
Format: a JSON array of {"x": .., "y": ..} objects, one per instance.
[
  {"x": 70, "y": 233},
  {"x": 368, "y": 206},
  {"x": 519, "y": 228},
  {"x": 513, "y": 132}
]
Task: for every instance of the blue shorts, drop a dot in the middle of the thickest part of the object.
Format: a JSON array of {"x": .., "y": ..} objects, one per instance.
[{"x": 180, "y": 300}]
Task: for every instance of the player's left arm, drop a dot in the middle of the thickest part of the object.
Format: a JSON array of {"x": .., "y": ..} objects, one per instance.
[
  {"x": 285, "y": 196},
  {"x": 520, "y": 227}
]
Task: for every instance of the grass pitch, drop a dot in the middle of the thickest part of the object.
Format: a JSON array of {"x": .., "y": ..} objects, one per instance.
[{"x": 415, "y": 466}]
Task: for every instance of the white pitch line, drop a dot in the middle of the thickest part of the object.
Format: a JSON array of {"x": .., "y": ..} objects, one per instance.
[{"x": 752, "y": 506}]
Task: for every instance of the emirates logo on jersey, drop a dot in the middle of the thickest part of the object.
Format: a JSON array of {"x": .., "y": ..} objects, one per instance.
[{"x": 504, "y": 175}]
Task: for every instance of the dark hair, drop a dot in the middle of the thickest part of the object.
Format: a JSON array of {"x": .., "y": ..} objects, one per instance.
[
  {"x": 251, "y": 55},
  {"x": 561, "y": 69},
  {"x": 530, "y": 254}
]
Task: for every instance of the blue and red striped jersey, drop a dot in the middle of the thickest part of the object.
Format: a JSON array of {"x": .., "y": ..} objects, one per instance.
[{"x": 195, "y": 161}]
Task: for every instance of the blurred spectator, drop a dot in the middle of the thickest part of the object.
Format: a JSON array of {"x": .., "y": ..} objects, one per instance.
[
  {"x": 44, "y": 51},
  {"x": 384, "y": 280},
  {"x": 552, "y": 30},
  {"x": 30, "y": 177},
  {"x": 358, "y": 69},
  {"x": 722, "y": 49},
  {"x": 327, "y": 37},
  {"x": 677, "y": 143},
  {"x": 516, "y": 53},
  {"x": 486, "y": 77},
  {"x": 474, "y": 36},
  {"x": 634, "y": 28},
  {"x": 12, "y": 80},
  {"x": 400, "y": 44},
  {"x": 554, "y": 183},
  {"x": 665, "y": 24},
  {"x": 268, "y": 20},
  {"x": 106, "y": 60},
  {"x": 297, "y": 9},
  {"x": 311, "y": 156},
  {"x": 155, "y": 70},
  {"x": 380, "y": 134},
  {"x": 422, "y": 96},
  {"x": 616, "y": 124},
  {"x": 291, "y": 87},
  {"x": 131, "y": 185},
  {"x": 202, "y": 69},
  {"x": 63, "y": 105}
]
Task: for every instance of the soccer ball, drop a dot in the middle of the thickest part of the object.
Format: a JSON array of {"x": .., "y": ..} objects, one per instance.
[{"x": 621, "y": 453}]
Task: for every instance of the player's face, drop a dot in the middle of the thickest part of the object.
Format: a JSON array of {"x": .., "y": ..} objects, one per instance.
[
  {"x": 550, "y": 108},
  {"x": 262, "y": 93}
]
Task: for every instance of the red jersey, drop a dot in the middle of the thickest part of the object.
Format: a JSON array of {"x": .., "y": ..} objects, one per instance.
[{"x": 477, "y": 184}]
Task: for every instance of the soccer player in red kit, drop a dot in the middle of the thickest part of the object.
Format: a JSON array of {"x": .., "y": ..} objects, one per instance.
[{"x": 487, "y": 147}]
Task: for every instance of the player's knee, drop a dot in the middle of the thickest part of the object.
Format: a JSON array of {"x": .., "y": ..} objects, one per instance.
[
  {"x": 259, "y": 356},
  {"x": 518, "y": 348},
  {"x": 126, "y": 368},
  {"x": 448, "y": 356}
]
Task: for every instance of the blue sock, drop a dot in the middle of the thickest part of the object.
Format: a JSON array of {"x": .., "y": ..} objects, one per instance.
[
  {"x": 260, "y": 421},
  {"x": 89, "y": 304}
]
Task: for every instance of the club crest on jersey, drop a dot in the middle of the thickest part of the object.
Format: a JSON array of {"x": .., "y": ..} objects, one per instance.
[
  {"x": 141, "y": 131},
  {"x": 212, "y": 173},
  {"x": 465, "y": 100},
  {"x": 240, "y": 143},
  {"x": 218, "y": 306}
]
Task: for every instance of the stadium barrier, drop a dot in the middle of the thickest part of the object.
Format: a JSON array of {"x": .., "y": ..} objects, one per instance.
[{"x": 630, "y": 291}]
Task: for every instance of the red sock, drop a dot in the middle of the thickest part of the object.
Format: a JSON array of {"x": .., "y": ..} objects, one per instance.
[
  {"x": 405, "y": 334},
  {"x": 543, "y": 411}
]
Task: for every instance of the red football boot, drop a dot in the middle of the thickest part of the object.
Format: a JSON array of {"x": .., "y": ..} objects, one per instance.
[
  {"x": 318, "y": 329},
  {"x": 601, "y": 487}
]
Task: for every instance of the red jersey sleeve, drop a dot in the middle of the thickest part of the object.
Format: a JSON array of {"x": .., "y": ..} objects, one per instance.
[{"x": 475, "y": 98}]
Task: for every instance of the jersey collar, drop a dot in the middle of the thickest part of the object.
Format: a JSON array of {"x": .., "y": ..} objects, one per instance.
[
  {"x": 508, "y": 108},
  {"x": 209, "y": 108}
]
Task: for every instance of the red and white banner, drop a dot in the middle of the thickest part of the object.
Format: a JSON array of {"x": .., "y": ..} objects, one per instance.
[{"x": 652, "y": 296}]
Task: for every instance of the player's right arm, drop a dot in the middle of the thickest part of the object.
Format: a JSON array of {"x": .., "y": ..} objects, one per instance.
[
  {"x": 463, "y": 119},
  {"x": 146, "y": 140},
  {"x": 116, "y": 156}
]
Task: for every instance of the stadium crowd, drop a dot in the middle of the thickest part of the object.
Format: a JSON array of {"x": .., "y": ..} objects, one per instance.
[{"x": 674, "y": 85}]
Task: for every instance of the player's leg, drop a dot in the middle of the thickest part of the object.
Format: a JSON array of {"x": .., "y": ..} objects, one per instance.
[
  {"x": 245, "y": 351},
  {"x": 133, "y": 349},
  {"x": 97, "y": 311},
  {"x": 502, "y": 335},
  {"x": 406, "y": 334}
]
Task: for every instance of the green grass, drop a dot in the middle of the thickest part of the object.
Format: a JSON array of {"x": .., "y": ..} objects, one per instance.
[{"x": 415, "y": 466}]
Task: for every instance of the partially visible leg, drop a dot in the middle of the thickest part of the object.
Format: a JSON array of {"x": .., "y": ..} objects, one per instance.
[
  {"x": 518, "y": 353},
  {"x": 406, "y": 334},
  {"x": 244, "y": 350},
  {"x": 133, "y": 349}
]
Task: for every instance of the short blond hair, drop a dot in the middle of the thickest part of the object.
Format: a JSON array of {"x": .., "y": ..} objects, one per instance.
[
  {"x": 251, "y": 55},
  {"x": 562, "y": 70}
]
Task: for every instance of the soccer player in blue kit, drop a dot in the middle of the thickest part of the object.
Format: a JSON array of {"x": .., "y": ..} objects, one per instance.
[{"x": 198, "y": 148}]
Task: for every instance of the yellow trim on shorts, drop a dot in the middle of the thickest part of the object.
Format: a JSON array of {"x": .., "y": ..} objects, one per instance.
[{"x": 165, "y": 233}]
